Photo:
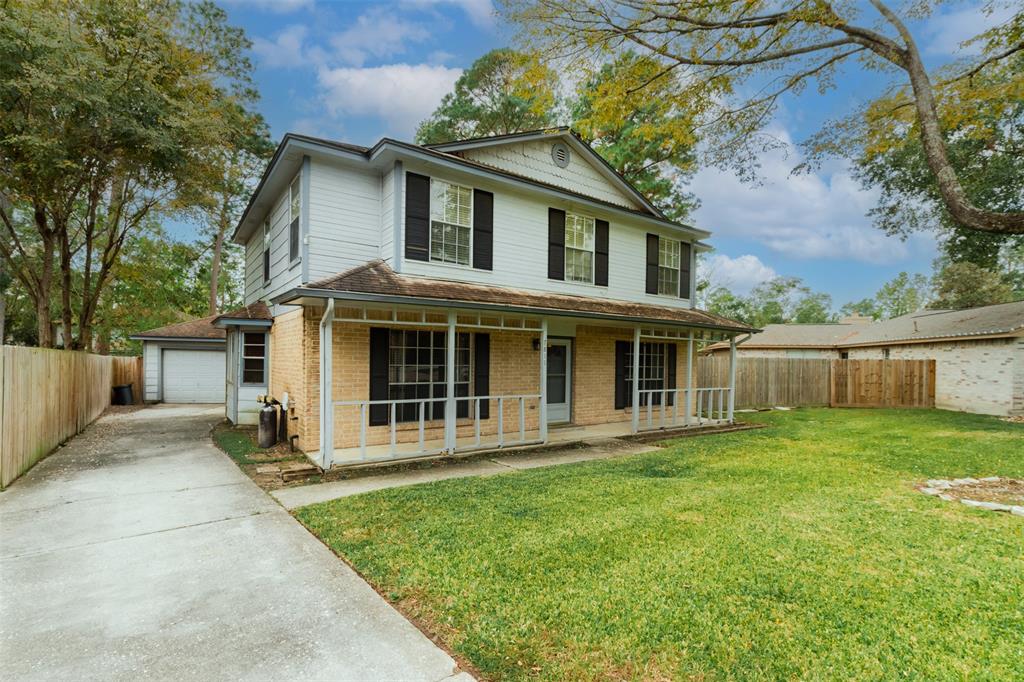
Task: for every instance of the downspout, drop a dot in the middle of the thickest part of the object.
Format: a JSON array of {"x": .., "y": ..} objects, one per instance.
[{"x": 326, "y": 383}]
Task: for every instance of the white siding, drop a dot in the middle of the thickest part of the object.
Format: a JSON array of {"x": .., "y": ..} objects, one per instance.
[
  {"x": 387, "y": 218},
  {"x": 283, "y": 274},
  {"x": 151, "y": 371},
  {"x": 344, "y": 218},
  {"x": 521, "y": 252},
  {"x": 533, "y": 160}
]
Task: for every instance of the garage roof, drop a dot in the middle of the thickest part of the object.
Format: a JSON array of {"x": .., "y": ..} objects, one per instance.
[{"x": 201, "y": 329}]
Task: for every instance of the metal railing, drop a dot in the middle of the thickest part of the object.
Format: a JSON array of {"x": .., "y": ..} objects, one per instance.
[
  {"x": 396, "y": 436},
  {"x": 684, "y": 407}
]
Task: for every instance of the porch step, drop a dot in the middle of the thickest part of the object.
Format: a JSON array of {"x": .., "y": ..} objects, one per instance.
[{"x": 294, "y": 471}]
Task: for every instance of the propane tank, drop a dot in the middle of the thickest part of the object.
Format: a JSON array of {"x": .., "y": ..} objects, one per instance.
[{"x": 268, "y": 426}]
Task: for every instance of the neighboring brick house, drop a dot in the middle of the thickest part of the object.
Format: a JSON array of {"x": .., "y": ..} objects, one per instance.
[
  {"x": 978, "y": 352},
  {"x": 445, "y": 298}
]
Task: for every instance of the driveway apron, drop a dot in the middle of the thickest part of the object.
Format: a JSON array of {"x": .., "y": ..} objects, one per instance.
[{"x": 139, "y": 550}]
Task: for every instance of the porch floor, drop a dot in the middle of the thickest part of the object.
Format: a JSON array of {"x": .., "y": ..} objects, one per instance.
[{"x": 557, "y": 434}]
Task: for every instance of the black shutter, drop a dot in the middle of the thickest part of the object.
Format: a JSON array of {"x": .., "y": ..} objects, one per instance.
[
  {"x": 379, "y": 343},
  {"x": 482, "y": 371},
  {"x": 652, "y": 263},
  {"x": 266, "y": 265},
  {"x": 417, "y": 217},
  {"x": 556, "y": 244},
  {"x": 601, "y": 253},
  {"x": 483, "y": 230},
  {"x": 670, "y": 375},
  {"x": 621, "y": 348},
  {"x": 684, "y": 270}
]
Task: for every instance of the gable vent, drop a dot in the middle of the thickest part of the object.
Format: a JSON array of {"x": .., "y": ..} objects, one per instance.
[{"x": 560, "y": 154}]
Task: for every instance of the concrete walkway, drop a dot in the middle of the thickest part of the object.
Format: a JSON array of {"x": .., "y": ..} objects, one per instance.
[
  {"x": 292, "y": 498},
  {"x": 140, "y": 551}
]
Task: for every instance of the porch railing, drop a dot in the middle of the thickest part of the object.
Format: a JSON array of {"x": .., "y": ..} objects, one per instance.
[
  {"x": 423, "y": 448},
  {"x": 662, "y": 408}
]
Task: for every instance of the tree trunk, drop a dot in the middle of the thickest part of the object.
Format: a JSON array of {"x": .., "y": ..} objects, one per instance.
[
  {"x": 65, "y": 290},
  {"x": 44, "y": 325},
  {"x": 953, "y": 195},
  {"x": 218, "y": 250},
  {"x": 3, "y": 315}
]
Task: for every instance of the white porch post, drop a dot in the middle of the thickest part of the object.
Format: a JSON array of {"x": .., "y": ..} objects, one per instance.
[
  {"x": 636, "y": 380},
  {"x": 449, "y": 406},
  {"x": 544, "y": 380},
  {"x": 732, "y": 377},
  {"x": 689, "y": 380},
  {"x": 326, "y": 384}
]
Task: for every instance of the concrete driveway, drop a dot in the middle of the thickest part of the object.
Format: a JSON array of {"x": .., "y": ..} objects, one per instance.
[{"x": 140, "y": 551}]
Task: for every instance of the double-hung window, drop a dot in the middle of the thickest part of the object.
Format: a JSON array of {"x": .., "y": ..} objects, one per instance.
[
  {"x": 669, "y": 262},
  {"x": 451, "y": 222},
  {"x": 254, "y": 358},
  {"x": 653, "y": 372},
  {"x": 294, "y": 217},
  {"x": 266, "y": 250},
  {"x": 579, "y": 248},
  {"x": 417, "y": 368}
]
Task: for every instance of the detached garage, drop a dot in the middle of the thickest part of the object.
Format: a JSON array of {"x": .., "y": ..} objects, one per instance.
[{"x": 184, "y": 362}]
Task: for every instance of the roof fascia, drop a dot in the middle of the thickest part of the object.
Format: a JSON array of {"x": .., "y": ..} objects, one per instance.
[
  {"x": 225, "y": 322},
  {"x": 189, "y": 339},
  {"x": 429, "y": 156},
  {"x": 980, "y": 336},
  {"x": 305, "y": 292}
]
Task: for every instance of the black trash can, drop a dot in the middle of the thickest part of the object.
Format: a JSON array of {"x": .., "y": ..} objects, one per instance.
[{"x": 123, "y": 395}]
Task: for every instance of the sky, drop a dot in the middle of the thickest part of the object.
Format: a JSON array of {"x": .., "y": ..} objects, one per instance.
[{"x": 357, "y": 71}]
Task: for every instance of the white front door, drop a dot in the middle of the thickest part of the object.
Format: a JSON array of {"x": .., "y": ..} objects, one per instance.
[{"x": 559, "y": 380}]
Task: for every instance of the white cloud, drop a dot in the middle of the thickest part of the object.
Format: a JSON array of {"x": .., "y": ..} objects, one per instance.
[
  {"x": 480, "y": 12},
  {"x": 275, "y": 6},
  {"x": 286, "y": 50},
  {"x": 739, "y": 275},
  {"x": 811, "y": 216},
  {"x": 377, "y": 33},
  {"x": 400, "y": 94},
  {"x": 944, "y": 32}
]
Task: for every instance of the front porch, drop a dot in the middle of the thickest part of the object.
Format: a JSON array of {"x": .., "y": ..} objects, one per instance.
[{"x": 457, "y": 381}]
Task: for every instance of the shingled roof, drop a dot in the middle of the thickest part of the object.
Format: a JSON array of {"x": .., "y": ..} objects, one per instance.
[
  {"x": 1004, "y": 319},
  {"x": 201, "y": 329},
  {"x": 257, "y": 311},
  {"x": 377, "y": 277}
]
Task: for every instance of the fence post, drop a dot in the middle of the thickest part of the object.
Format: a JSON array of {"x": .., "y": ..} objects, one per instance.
[{"x": 732, "y": 378}]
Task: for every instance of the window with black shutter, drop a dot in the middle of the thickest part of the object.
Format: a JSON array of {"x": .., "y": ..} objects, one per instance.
[
  {"x": 657, "y": 372},
  {"x": 412, "y": 364}
]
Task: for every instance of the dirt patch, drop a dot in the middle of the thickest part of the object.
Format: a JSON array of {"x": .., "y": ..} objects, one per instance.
[
  {"x": 1018, "y": 419},
  {"x": 994, "y": 493}
]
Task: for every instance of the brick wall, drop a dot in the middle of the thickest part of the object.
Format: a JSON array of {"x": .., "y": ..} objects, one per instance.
[
  {"x": 594, "y": 374},
  {"x": 970, "y": 376},
  {"x": 287, "y": 366}
]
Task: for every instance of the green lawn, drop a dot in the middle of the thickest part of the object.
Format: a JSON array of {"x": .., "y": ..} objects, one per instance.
[{"x": 798, "y": 551}]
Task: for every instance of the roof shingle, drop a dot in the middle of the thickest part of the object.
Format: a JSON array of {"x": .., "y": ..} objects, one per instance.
[
  {"x": 201, "y": 328},
  {"x": 376, "y": 277}
]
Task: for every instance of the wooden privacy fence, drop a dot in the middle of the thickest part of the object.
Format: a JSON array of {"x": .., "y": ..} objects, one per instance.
[
  {"x": 883, "y": 383},
  {"x": 47, "y": 396},
  {"x": 765, "y": 382},
  {"x": 807, "y": 382}
]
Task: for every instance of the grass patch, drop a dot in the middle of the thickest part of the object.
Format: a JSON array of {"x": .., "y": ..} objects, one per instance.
[
  {"x": 799, "y": 551},
  {"x": 239, "y": 443}
]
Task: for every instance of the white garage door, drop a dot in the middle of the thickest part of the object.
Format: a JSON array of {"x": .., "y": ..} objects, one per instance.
[{"x": 193, "y": 376}]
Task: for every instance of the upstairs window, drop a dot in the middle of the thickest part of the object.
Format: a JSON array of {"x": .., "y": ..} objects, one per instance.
[
  {"x": 451, "y": 222},
  {"x": 266, "y": 250},
  {"x": 294, "y": 214},
  {"x": 254, "y": 358},
  {"x": 669, "y": 261},
  {"x": 579, "y": 248}
]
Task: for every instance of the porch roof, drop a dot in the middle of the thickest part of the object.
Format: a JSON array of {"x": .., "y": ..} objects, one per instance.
[
  {"x": 255, "y": 314},
  {"x": 376, "y": 281}
]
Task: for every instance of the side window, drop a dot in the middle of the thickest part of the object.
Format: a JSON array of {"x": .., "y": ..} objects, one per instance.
[
  {"x": 294, "y": 214},
  {"x": 451, "y": 222},
  {"x": 266, "y": 250},
  {"x": 668, "y": 266},
  {"x": 579, "y": 248},
  {"x": 254, "y": 358}
]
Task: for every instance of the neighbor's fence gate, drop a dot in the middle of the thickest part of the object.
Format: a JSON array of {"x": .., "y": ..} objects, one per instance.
[
  {"x": 47, "y": 396},
  {"x": 807, "y": 382},
  {"x": 883, "y": 383}
]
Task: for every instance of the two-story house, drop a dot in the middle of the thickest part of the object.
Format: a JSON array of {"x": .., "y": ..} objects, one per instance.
[{"x": 413, "y": 300}]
